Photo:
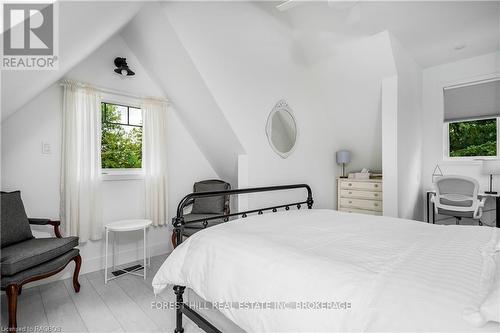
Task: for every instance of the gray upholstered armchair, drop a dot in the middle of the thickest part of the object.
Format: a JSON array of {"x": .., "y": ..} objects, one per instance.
[
  {"x": 206, "y": 207},
  {"x": 25, "y": 259}
]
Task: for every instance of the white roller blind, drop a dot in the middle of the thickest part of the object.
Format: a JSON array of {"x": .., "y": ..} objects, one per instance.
[{"x": 472, "y": 101}]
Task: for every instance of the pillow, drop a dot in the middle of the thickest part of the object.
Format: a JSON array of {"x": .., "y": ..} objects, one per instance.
[
  {"x": 488, "y": 306},
  {"x": 209, "y": 205},
  {"x": 490, "y": 309},
  {"x": 15, "y": 227}
]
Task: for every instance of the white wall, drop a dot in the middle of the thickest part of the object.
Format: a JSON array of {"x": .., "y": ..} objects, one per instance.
[
  {"x": 248, "y": 69},
  {"x": 153, "y": 40},
  {"x": 390, "y": 183},
  {"x": 434, "y": 79},
  {"x": 24, "y": 166},
  {"x": 409, "y": 132}
]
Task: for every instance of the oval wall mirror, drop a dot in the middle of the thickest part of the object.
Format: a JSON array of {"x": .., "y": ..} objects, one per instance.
[{"x": 281, "y": 129}]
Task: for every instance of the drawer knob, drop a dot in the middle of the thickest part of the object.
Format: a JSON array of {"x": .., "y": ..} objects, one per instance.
[
  {"x": 350, "y": 184},
  {"x": 375, "y": 204},
  {"x": 350, "y": 192},
  {"x": 350, "y": 201},
  {"x": 376, "y": 185},
  {"x": 375, "y": 194}
]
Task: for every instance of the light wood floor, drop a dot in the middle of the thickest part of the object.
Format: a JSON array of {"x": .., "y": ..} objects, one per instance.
[{"x": 123, "y": 305}]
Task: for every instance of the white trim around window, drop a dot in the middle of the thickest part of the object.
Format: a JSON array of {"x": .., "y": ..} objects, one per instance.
[
  {"x": 121, "y": 174},
  {"x": 446, "y": 143}
]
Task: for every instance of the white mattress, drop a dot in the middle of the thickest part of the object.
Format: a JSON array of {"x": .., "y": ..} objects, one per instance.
[{"x": 398, "y": 275}]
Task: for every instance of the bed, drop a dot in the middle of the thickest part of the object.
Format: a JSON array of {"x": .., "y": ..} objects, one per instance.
[{"x": 317, "y": 270}]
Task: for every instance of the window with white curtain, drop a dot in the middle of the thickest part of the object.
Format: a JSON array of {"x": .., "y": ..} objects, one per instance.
[
  {"x": 121, "y": 139},
  {"x": 104, "y": 132},
  {"x": 471, "y": 120}
]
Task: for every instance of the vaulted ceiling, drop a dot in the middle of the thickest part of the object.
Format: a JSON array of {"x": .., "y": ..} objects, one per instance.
[
  {"x": 83, "y": 27},
  {"x": 434, "y": 32}
]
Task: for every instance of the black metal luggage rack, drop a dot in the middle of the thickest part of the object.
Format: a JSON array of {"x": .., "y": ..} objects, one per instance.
[{"x": 179, "y": 223}]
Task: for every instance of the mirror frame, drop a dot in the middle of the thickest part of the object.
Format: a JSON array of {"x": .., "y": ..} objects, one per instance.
[{"x": 281, "y": 105}]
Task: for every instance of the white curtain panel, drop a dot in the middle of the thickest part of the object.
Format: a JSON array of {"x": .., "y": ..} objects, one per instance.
[
  {"x": 154, "y": 159},
  {"x": 81, "y": 211}
]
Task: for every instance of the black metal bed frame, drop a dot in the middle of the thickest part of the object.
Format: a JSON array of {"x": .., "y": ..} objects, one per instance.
[{"x": 179, "y": 223}]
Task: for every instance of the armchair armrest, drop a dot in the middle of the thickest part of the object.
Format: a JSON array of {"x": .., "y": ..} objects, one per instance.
[
  {"x": 55, "y": 224},
  {"x": 187, "y": 206},
  {"x": 36, "y": 221}
]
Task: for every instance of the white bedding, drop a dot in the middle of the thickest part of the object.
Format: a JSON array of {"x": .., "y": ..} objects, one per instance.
[{"x": 398, "y": 275}]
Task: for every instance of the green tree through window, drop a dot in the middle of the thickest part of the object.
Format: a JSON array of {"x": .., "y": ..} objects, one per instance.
[
  {"x": 473, "y": 138},
  {"x": 121, "y": 141}
]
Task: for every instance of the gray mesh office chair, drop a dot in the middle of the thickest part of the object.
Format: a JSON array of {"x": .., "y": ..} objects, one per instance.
[{"x": 457, "y": 196}]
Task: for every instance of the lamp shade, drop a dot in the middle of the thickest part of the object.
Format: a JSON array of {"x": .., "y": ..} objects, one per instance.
[
  {"x": 343, "y": 156},
  {"x": 491, "y": 167}
]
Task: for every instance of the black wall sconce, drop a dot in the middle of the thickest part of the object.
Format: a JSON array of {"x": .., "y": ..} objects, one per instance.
[{"x": 122, "y": 67}]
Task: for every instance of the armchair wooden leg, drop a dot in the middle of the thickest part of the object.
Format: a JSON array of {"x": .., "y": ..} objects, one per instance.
[
  {"x": 78, "y": 264},
  {"x": 174, "y": 240},
  {"x": 12, "y": 292}
]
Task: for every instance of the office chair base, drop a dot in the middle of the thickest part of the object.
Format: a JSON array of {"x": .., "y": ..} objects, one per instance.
[{"x": 458, "y": 219}]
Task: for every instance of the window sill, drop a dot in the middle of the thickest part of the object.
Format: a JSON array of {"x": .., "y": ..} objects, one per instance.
[
  {"x": 467, "y": 160},
  {"x": 115, "y": 175}
]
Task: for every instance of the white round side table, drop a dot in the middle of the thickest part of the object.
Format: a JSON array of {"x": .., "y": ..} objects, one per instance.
[{"x": 123, "y": 226}]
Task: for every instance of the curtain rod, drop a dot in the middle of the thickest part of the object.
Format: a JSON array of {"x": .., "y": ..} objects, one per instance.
[{"x": 111, "y": 91}]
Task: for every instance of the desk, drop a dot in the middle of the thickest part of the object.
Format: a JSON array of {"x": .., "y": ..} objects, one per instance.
[{"x": 497, "y": 206}]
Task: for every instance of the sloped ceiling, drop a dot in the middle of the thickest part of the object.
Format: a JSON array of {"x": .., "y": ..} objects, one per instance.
[
  {"x": 83, "y": 27},
  {"x": 181, "y": 70},
  {"x": 153, "y": 40},
  {"x": 97, "y": 69},
  {"x": 429, "y": 30}
]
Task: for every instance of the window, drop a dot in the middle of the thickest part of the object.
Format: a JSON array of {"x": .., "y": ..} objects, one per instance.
[
  {"x": 121, "y": 141},
  {"x": 473, "y": 138},
  {"x": 471, "y": 118}
]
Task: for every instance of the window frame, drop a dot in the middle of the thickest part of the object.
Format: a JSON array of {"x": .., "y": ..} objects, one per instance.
[
  {"x": 121, "y": 173},
  {"x": 128, "y": 114},
  {"x": 446, "y": 141}
]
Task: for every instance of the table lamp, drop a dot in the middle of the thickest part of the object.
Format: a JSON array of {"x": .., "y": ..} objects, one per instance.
[
  {"x": 343, "y": 157},
  {"x": 491, "y": 167}
]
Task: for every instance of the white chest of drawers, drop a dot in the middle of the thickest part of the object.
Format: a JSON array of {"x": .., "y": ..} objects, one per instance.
[{"x": 360, "y": 195}]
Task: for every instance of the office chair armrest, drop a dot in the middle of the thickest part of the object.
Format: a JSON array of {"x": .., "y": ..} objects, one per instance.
[
  {"x": 433, "y": 200},
  {"x": 479, "y": 210}
]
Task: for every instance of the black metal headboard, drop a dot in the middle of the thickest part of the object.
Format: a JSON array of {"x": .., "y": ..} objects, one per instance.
[{"x": 179, "y": 223}]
